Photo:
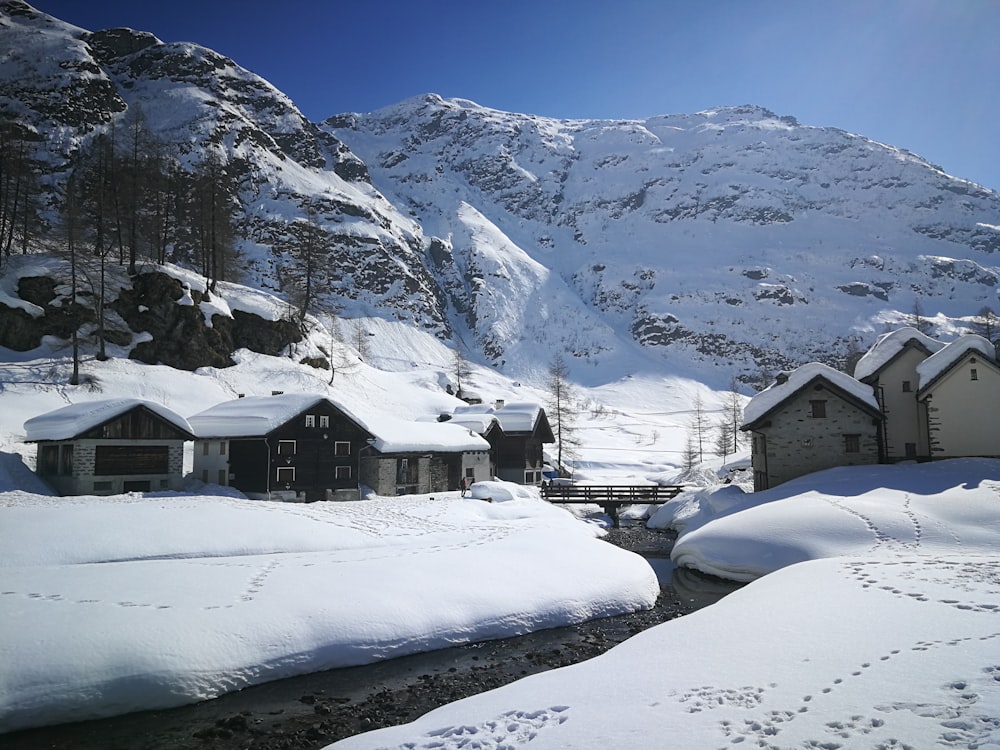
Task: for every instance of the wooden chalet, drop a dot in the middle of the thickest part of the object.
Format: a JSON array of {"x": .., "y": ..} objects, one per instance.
[
  {"x": 296, "y": 446},
  {"x": 305, "y": 447},
  {"x": 516, "y": 432},
  {"x": 109, "y": 447}
]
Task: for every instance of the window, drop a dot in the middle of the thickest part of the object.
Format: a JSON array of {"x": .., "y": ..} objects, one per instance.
[
  {"x": 852, "y": 443},
  {"x": 406, "y": 472},
  {"x": 911, "y": 450},
  {"x": 342, "y": 448},
  {"x": 286, "y": 474},
  {"x": 222, "y": 447},
  {"x": 48, "y": 459},
  {"x": 310, "y": 420},
  {"x": 66, "y": 460},
  {"x": 343, "y": 472},
  {"x": 204, "y": 476},
  {"x": 817, "y": 409},
  {"x": 222, "y": 477},
  {"x": 973, "y": 374},
  {"x": 286, "y": 447},
  {"x": 102, "y": 486},
  {"x": 532, "y": 477},
  {"x": 907, "y": 388},
  {"x": 324, "y": 420},
  {"x": 204, "y": 448},
  {"x": 470, "y": 473}
]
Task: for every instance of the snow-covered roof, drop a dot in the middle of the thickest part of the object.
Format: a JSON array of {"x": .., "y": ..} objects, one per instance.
[
  {"x": 253, "y": 416},
  {"x": 934, "y": 366},
  {"x": 888, "y": 346},
  {"x": 519, "y": 416},
  {"x": 70, "y": 421},
  {"x": 479, "y": 423},
  {"x": 402, "y": 436},
  {"x": 769, "y": 398},
  {"x": 256, "y": 416}
]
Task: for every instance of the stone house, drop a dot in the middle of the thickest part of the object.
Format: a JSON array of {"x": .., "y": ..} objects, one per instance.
[
  {"x": 959, "y": 399},
  {"x": 410, "y": 458},
  {"x": 110, "y": 446},
  {"x": 811, "y": 419},
  {"x": 890, "y": 368}
]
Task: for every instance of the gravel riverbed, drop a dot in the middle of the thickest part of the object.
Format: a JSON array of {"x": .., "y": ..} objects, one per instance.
[{"x": 308, "y": 712}]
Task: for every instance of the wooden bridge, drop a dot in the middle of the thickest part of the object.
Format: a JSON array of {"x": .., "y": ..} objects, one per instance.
[{"x": 611, "y": 497}]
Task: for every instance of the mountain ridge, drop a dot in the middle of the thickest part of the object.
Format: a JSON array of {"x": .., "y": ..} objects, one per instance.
[{"x": 724, "y": 243}]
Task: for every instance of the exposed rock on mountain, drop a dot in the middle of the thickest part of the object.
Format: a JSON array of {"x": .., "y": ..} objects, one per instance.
[
  {"x": 724, "y": 242},
  {"x": 733, "y": 235}
]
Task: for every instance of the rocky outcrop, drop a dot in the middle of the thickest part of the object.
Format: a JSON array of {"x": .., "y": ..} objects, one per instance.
[{"x": 157, "y": 320}]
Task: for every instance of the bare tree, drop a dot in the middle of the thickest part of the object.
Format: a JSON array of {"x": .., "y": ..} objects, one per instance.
[
  {"x": 733, "y": 406},
  {"x": 562, "y": 404},
  {"x": 699, "y": 426},
  {"x": 72, "y": 230},
  {"x": 211, "y": 210},
  {"x": 460, "y": 371},
  {"x": 724, "y": 438},
  {"x": 360, "y": 338},
  {"x": 19, "y": 215},
  {"x": 917, "y": 318},
  {"x": 987, "y": 324}
]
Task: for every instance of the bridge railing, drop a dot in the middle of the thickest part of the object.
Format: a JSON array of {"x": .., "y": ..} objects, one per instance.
[{"x": 611, "y": 497}]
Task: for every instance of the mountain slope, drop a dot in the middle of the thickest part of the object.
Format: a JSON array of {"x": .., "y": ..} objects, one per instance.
[
  {"x": 722, "y": 243},
  {"x": 64, "y": 85},
  {"x": 732, "y": 235}
]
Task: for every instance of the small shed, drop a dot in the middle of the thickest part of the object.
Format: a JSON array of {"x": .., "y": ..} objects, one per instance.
[
  {"x": 111, "y": 446},
  {"x": 811, "y": 419}
]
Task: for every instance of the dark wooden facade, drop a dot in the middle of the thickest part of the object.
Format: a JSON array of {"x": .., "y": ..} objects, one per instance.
[
  {"x": 517, "y": 456},
  {"x": 314, "y": 455}
]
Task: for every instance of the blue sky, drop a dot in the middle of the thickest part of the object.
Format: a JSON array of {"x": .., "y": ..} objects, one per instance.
[{"x": 919, "y": 74}]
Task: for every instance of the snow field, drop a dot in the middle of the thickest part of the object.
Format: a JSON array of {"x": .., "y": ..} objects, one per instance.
[{"x": 111, "y": 605}]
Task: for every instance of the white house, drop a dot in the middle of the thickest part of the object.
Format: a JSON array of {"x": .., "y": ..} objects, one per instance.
[
  {"x": 959, "y": 393},
  {"x": 890, "y": 367}
]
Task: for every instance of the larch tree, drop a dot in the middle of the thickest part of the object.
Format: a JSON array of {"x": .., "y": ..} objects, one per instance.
[{"x": 562, "y": 410}]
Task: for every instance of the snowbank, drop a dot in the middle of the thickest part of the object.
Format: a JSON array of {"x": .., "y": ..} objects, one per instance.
[
  {"x": 111, "y": 605},
  {"x": 890, "y": 641},
  {"x": 912, "y": 508}
]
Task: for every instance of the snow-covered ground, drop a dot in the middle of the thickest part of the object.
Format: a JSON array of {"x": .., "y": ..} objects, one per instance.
[
  {"x": 880, "y": 628},
  {"x": 876, "y": 622},
  {"x": 110, "y": 605}
]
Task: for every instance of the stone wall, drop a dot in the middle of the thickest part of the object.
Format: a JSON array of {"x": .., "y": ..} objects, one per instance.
[{"x": 799, "y": 443}]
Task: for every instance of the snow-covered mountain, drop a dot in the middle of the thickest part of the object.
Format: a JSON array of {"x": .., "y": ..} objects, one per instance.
[
  {"x": 714, "y": 244},
  {"x": 733, "y": 236}
]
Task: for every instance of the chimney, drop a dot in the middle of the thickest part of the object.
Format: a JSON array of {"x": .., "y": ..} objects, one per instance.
[
  {"x": 782, "y": 378},
  {"x": 499, "y": 404}
]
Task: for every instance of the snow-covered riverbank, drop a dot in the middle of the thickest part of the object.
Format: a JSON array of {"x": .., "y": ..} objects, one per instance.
[{"x": 890, "y": 639}]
